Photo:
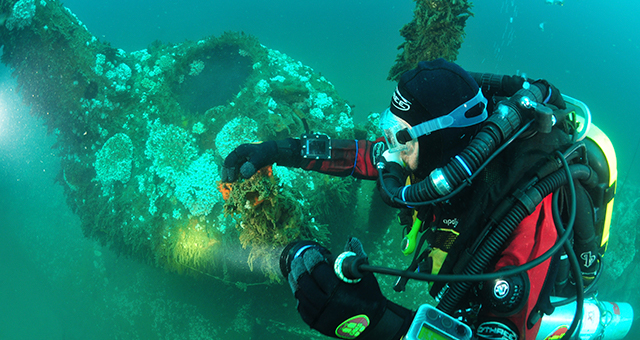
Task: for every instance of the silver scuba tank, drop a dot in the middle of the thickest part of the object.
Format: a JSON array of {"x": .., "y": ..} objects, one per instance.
[{"x": 601, "y": 320}]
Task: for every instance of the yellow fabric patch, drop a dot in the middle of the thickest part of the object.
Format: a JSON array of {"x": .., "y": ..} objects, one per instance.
[{"x": 438, "y": 256}]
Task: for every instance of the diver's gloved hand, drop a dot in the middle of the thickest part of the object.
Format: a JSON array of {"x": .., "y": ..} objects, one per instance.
[
  {"x": 247, "y": 159},
  {"x": 554, "y": 97},
  {"x": 344, "y": 310},
  {"x": 394, "y": 177}
]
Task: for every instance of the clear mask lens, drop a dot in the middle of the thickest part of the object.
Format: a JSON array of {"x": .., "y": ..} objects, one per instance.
[{"x": 390, "y": 125}]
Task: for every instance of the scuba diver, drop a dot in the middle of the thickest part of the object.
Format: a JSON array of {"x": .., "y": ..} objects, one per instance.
[{"x": 499, "y": 189}]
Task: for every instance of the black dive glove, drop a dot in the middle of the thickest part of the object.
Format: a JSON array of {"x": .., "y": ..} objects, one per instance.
[
  {"x": 246, "y": 159},
  {"x": 344, "y": 310},
  {"x": 502, "y": 85},
  {"x": 554, "y": 97},
  {"x": 394, "y": 177}
]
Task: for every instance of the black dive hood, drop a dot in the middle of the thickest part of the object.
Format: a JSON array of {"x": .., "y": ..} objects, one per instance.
[{"x": 509, "y": 119}]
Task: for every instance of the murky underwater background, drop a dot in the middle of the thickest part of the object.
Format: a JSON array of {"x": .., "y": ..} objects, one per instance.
[{"x": 56, "y": 284}]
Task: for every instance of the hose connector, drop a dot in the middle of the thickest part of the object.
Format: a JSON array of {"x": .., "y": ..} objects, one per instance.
[{"x": 440, "y": 182}]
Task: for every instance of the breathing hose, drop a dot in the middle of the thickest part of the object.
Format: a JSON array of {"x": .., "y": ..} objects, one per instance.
[
  {"x": 506, "y": 120},
  {"x": 524, "y": 206},
  {"x": 573, "y": 259}
]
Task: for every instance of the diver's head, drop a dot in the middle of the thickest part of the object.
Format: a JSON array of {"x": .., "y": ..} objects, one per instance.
[{"x": 435, "y": 110}]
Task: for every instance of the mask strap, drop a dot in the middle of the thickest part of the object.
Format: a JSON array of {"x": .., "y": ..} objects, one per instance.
[{"x": 455, "y": 118}]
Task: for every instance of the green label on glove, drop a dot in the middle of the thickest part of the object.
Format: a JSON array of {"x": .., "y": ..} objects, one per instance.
[{"x": 352, "y": 327}]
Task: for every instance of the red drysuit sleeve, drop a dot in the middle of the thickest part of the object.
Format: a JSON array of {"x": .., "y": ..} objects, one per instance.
[{"x": 349, "y": 157}]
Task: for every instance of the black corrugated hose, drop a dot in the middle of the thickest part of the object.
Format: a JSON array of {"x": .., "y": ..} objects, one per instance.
[
  {"x": 499, "y": 127},
  {"x": 525, "y": 205}
]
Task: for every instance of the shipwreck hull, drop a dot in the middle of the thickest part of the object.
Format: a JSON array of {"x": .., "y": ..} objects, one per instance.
[{"x": 142, "y": 136}]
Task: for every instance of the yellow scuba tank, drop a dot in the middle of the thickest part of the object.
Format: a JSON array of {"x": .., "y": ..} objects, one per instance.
[{"x": 602, "y": 159}]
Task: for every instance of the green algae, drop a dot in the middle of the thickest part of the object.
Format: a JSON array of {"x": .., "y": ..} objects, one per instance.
[
  {"x": 268, "y": 219},
  {"x": 436, "y": 31}
]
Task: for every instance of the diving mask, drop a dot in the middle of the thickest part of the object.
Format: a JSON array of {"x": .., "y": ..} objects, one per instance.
[
  {"x": 390, "y": 125},
  {"x": 397, "y": 132}
]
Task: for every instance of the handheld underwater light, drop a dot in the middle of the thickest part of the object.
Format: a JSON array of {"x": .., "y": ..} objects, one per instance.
[
  {"x": 346, "y": 265},
  {"x": 429, "y": 323},
  {"x": 433, "y": 323}
]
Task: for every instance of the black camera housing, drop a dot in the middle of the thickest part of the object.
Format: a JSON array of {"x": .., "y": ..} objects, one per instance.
[{"x": 315, "y": 146}]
